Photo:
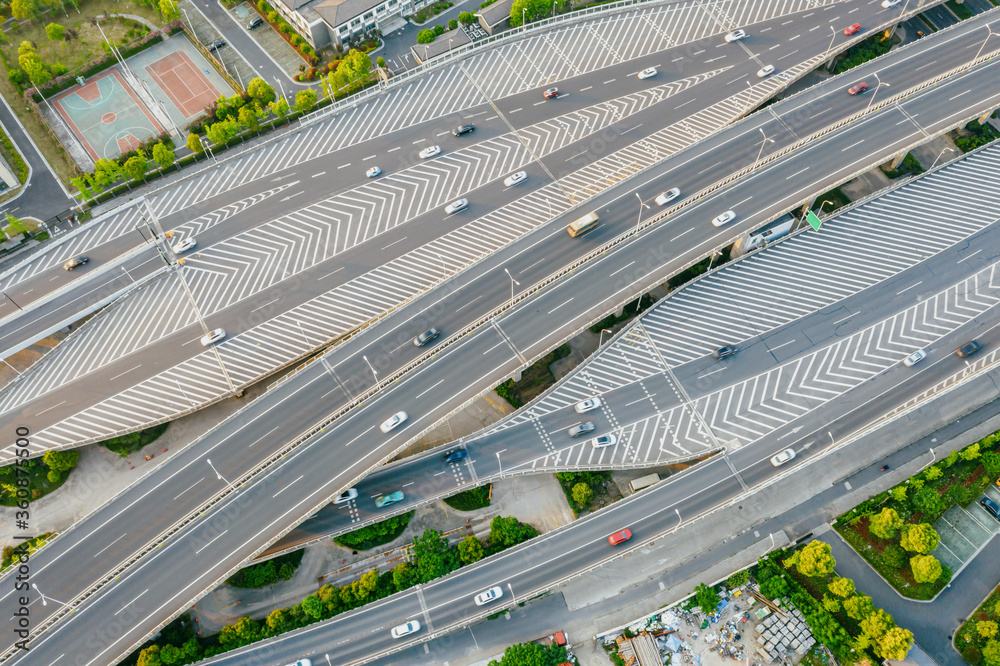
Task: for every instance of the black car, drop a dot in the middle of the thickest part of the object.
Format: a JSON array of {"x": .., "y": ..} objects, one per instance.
[
  {"x": 426, "y": 337},
  {"x": 968, "y": 349},
  {"x": 218, "y": 44},
  {"x": 723, "y": 352},
  {"x": 74, "y": 262},
  {"x": 456, "y": 455},
  {"x": 256, "y": 23},
  {"x": 463, "y": 129},
  {"x": 991, "y": 507}
]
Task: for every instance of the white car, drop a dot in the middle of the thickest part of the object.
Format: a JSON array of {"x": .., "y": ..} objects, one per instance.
[
  {"x": 725, "y": 218},
  {"x": 411, "y": 627},
  {"x": 647, "y": 73},
  {"x": 184, "y": 244},
  {"x": 345, "y": 496},
  {"x": 588, "y": 405},
  {"x": 604, "y": 440},
  {"x": 887, "y": 4},
  {"x": 515, "y": 178},
  {"x": 430, "y": 151},
  {"x": 456, "y": 206},
  {"x": 782, "y": 457},
  {"x": 489, "y": 595},
  {"x": 212, "y": 336},
  {"x": 766, "y": 70},
  {"x": 393, "y": 422},
  {"x": 374, "y": 171},
  {"x": 735, "y": 36},
  {"x": 668, "y": 196},
  {"x": 302, "y": 662},
  {"x": 914, "y": 358}
]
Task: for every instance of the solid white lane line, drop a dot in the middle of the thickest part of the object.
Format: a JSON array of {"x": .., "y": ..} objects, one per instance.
[
  {"x": 263, "y": 436},
  {"x": 317, "y": 175},
  {"x": 126, "y": 372},
  {"x": 113, "y": 542},
  {"x": 209, "y": 543},
  {"x": 49, "y": 408},
  {"x": 186, "y": 489},
  {"x": 330, "y": 273},
  {"x": 133, "y": 601},
  {"x": 782, "y": 345},
  {"x": 621, "y": 269},
  {"x": 430, "y": 389},
  {"x": 275, "y": 300},
  {"x": 559, "y": 306},
  {"x": 287, "y": 487},
  {"x": 910, "y": 287},
  {"x": 971, "y": 255}
]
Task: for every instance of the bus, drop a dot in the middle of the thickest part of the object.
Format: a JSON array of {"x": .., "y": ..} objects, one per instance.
[{"x": 583, "y": 225}]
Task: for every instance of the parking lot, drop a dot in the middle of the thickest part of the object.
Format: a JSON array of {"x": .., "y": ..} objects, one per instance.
[{"x": 964, "y": 531}]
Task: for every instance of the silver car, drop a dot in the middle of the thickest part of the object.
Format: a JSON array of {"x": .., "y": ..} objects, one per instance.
[
  {"x": 430, "y": 151},
  {"x": 411, "y": 627},
  {"x": 393, "y": 422},
  {"x": 783, "y": 457},
  {"x": 667, "y": 197},
  {"x": 725, "y": 218},
  {"x": 456, "y": 206},
  {"x": 489, "y": 595}
]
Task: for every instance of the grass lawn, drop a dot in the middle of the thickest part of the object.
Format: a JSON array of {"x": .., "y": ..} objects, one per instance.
[{"x": 72, "y": 54}]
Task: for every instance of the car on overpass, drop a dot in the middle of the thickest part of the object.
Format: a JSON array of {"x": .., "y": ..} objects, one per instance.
[
  {"x": 393, "y": 422},
  {"x": 515, "y": 178},
  {"x": 456, "y": 206},
  {"x": 463, "y": 129},
  {"x": 588, "y": 405},
  {"x": 212, "y": 336},
  {"x": 735, "y": 36},
  {"x": 620, "y": 537},
  {"x": 851, "y": 29},
  {"x": 889, "y": 4},
  {"x": 184, "y": 244},
  {"x": 783, "y": 457},
  {"x": 581, "y": 429},
  {"x": 914, "y": 358},
  {"x": 489, "y": 595},
  {"x": 74, "y": 262},
  {"x": 724, "y": 218},
  {"x": 425, "y": 337},
  {"x": 551, "y": 93},
  {"x": 374, "y": 171},
  {"x": 766, "y": 70},
  {"x": 968, "y": 349},
  {"x": 345, "y": 496},
  {"x": 429, "y": 151},
  {"x": 391, "y": 498},
  {"x": 668, "y": 196},
  {"x": 858, "y": 88},
  {"x": 604, "y": 441},
  {"x": 647, "y": 73},
  {"x": 724, "y": 351},
  {"x": 456, "y": 455},
  {"x": 411, "y": 627}
]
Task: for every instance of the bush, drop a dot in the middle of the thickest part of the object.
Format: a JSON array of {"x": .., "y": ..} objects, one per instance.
[
  {"x": 507, "y": 390},
  {"x": 425, "y": 36},
  {"x": 132, "y": 442},
  {"x": 582, "y": 494},
  {"x": 375, "y": 535},
  {"x": 267, "y": 573},
  {"x": 470, "y": 500},
  {"x": 859, "y": 54},
  {"x": 272, "y": 16},
  {"x": 438, "y": 30},
  {"x": 972, "y": 655},
  {"x": 284, "y": 28},
  {"x": 453, "y": 24},
  {"x": 894, "y": 556}
]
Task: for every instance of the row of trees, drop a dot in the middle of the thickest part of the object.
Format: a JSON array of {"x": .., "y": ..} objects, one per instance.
[
  {"x": 918, "y": 538},
  {"x": 430, "y": 557}
]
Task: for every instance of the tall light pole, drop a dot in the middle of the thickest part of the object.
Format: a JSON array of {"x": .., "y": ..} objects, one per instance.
[
  {"x": 761, "y": 151},
  {"x": 880, "y": 84},
  {"x": 832, "y": 37},
  {"x": 991, "y": 33},
  {"x": 939, "y": 156},
  {"x": 219, "y": 476},
  {"x": 204, "y": 142},
  {"x": 512, "y": 283},
  {"x": 600, "y": 338},
  {"x": 499, "y": 465},
  {"x": 641, "y": 206},
  {"x": 523, "y": 24},
  {"x": 45, "y": 597},
  {"x": 377, "y": 383}
]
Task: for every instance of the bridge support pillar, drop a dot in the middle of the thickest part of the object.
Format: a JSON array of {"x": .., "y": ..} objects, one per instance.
[
  {"x": 895, "y": 162},
  {"x": 986, "y": 116},
  {"x": 517, "y": 376},
  {"x": 619, "y": 311}
]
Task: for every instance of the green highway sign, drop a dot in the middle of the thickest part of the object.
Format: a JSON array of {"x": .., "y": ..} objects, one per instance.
[{"x": 813, "y": 221}]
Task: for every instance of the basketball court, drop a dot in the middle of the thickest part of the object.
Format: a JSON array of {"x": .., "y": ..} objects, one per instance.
[{"x": 110, "y": 117}]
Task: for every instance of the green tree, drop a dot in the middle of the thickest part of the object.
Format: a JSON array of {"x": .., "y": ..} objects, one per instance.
[
  {"x": 423, "y": 37},
  {"x": 991, "y": 463},
  {"x": 24, "y": 10},
  {"x": 898, "y": 493},
  {"x": 312, "y": 607},
  {"x": 928, "y": 500},
  {"x": 193, "y": 144},
  {"x": 244, "y": 631},
  {"x": 877, "y": 624},
  {"x": 509, "y": 531},
  {"x": 453, "y": 24},
  {"x": 136, "y": 167},
  {"x": 191, "y": 650},
  {"x": 61, "y": 461},
  {"x": 15, "y": 226},
  {"x": 163, "y": 156},
  {"x": 403, "y": 576},
  {"x": 926, "y": 568},
  {"x": 894, "y": 556},
  {"x": 470, "y": 549},
  {"x": 933, "y": 472},
  {"x": 814, "y": 559},
  {"x": 466, "y": 18},
  {"x": 842, "y": 587},
  {"x": 532, "y": 654},
  {"x": 986, "y": 629},
  {"x": 831, "y": 604},
  {"x": 286, "y": 571},
  {"x": 859, "y": 607},
  {"x": 438, "y": 30},
  {"x": 952, "y": 458},
  {"x": 55, "y": 32},
  {"x": 737, "y": 579},
  {"x": 261, "y": 92},
  {"x": 107, "y": 172},
  {"x": 531, "y": 10},
  {"x": 380, "y": 62},
  {"x": 305, "y": 100},
  {"x": 918, "y": 538},
  {"x": 895, "y": 644},
  {"x": 991, "y": 653},
  {"x": 885, "y": 524},
  {"x": 168, "y": 10},
  {"x": 970, "y": 452},
  {"x": 150, "y": 657},
  {"x": 356, "y": 65},
  {"x": 249, "y": 118},
  {"x": 32, "y": 63},
  {"x": 278, "y": 622},
  {"x": 171, "y": 654},
  {"x": 222, "y": 131},
  {"x": 279, "y": 108},
  {"x": 706, "y": 598},
  {"x": 54, "y": 476},
  {"x": 582, "y": 494},
  {"x": 433, "y": 558}
]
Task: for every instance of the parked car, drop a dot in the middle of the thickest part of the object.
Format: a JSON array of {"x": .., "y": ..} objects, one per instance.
[
  {"x": 212, "y": 337},
  {"x": 668, "y": 196},
  {"x": 603, "y": 441},
  {"x": 914, "y": 358},
  {"x": 647, "y": 73},
  {"x": 515, "y": 178},
  {"x": 426, "y": 337},
  {"x": 724, "y": 351},
  {"x": 587, "y": 405},
  {"x": 74, "y": 262},
  {"x": 725, "y": 218},
  {"x": 991, "y": 507},
  {"x": 393, "y": 422},
  {"x": 581, "y": 429},
  {"x": 463, "y": 129},
  {"x": 429, "y": 151},
  {"x": 184, "y": 244},
  {"x": 735, "y": 36},
  {"x": 551, "y": 93},
  {"x": 256, "y": 23},
  {"x": 216, "y": 45},
  {"x": 374, "y": 171},
  {"x": 851, "y": 29},
  {"x": 783, "y": 457},
  {"x": 456, "y": 206},
  {"x": 391, "y": 498},
  {"x": 968, "y": 349},
  {"x": 456, "y": 455},
  {"x": 858, "y": 88},
  {"x": 411, "y": 627},
  {"x": 620, "y": 537},
  {"x": 489, "y": 595},
  {"x": 766, "y": 70},
  {"x": 345, "y": 496}
]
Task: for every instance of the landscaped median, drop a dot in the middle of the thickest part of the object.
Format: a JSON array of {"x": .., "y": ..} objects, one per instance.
[
  {"x": 895, "y": 530},
  {"x": 977, "y": 638}
]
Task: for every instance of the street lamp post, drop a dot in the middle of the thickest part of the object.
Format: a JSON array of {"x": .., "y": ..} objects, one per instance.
[
  {"x": 641, "y": 206},
  {"x": 761, "y": 151},
  {"x": 512, "y": 283},
  {"x": 523, "y": 24},
  {"x": 499, "y": 465},
  {"x": 600, "y": 338},
  {"x": 939, "y": 156},
  {"x": 11, "y": 301},
  {"x": 513, "y": 599},
  {"x": 990, "y": 33},
  {"x": 377, "y": 383},
  {"x": 219, "y": 476},
  {"x": 872, "y": 100},
  {"x": 204, "y": 142},
  {"x": 42, "y": 595},
  {"x": 832, "y": 37}
]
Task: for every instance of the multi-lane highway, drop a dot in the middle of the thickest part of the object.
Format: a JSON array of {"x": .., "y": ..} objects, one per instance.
[
  {"x": 299, "y": 483},
  {"x": 306, "y": 308}
]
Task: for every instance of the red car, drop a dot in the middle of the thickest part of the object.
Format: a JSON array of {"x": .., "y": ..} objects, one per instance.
[
  {"x": 620, "y": 537},
  {"x": 851, "y": 29},
  {"x": 550, "y": 93},
  {"x": 859, "y": 88}
]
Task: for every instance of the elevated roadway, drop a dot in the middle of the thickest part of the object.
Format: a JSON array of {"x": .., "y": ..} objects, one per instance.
[{"x": 212, "y": 543}]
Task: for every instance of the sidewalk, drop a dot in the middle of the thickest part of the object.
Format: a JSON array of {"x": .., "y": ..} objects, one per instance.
[
  {"x": 233, "y": 60},
  {"x": 271, "y": 43}
]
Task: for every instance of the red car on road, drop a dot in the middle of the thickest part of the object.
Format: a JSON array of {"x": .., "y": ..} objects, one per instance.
[
  {"x": 550, "y": 93},
  {"x": 858, "y": 88},
  {"x": 620, "y": 537},
  {"x": 851, "y": 29}
]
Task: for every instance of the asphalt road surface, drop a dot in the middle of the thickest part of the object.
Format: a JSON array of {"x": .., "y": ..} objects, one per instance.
[{"x": 218, "y": 541}]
